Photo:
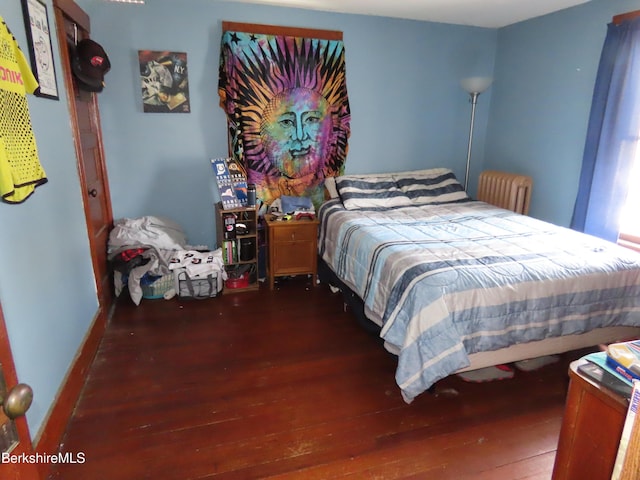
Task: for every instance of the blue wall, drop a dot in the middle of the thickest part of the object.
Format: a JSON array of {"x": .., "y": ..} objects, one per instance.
[
  {"x": 408, "y": 111},
  {"x": 544, "y": 78},
  {"x": 47, "y": 288}
]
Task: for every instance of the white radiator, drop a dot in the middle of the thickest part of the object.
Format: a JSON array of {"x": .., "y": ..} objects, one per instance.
[{"x": 505, "y": 190}]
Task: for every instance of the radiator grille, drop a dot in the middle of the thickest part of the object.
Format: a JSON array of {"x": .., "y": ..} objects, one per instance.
[{"x": 505, "y": 190}]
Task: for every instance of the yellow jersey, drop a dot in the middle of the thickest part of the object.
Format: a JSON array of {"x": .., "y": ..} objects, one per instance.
[{"x": 20, "y": 169}]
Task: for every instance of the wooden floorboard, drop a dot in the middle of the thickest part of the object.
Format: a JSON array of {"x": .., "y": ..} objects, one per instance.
[{"x": 285, "y": 384}]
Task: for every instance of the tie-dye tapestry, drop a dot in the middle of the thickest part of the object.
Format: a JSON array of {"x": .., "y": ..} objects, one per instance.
[{"x": 287, "y": 109}]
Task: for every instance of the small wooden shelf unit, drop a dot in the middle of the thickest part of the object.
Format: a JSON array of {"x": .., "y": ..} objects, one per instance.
[{"x": 242, "y": 249}]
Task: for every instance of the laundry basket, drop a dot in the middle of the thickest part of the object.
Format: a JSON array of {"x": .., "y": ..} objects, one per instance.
[{"x": 154, "y": 287}]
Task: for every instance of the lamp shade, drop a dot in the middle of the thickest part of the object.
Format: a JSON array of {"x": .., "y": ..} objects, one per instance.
[{"x": 476, "y": 84}]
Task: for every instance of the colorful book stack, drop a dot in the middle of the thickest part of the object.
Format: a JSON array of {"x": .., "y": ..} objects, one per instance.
[
  {"x": 230, "y": 251},
  {"x": 624, "y": 358},
  {"x": 616, "y": 368}
]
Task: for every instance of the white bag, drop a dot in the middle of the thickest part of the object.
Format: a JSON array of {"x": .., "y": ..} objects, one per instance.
[{"x": 197, "y": 286}]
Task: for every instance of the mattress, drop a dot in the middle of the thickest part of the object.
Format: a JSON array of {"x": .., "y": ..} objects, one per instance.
[{"x": 447, "y": 282}]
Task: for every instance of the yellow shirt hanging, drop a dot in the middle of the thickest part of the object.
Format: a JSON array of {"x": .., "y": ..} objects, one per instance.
[{"x": 20, "y": 169}]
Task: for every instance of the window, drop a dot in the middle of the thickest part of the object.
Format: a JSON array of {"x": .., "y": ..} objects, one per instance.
[
  {"x": 604, "y": 207},
  {"x": 630, "y": 220},
  {"x": 630, "y": 217}
]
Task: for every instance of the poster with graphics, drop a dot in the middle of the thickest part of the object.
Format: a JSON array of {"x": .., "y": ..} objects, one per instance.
[
  {"x": 287, "y": 110},
  {"x": 164, "y": 81}
]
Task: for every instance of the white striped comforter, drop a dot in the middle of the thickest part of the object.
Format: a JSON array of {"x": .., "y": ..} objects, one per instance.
[{"x": 445, "y": 281}]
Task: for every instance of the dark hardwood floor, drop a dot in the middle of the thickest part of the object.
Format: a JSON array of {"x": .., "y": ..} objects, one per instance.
[{"x": 285, "y": 384}]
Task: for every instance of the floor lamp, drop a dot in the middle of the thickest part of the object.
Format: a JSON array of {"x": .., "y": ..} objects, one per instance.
[{"x": 474, "y": 87}]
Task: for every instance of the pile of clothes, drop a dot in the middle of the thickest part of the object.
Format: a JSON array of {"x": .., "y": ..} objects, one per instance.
[{"x": 143, "y": 249}]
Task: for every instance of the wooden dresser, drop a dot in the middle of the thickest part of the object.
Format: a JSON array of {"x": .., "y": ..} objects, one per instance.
[
  {"x": 591, "y": 430},
  {"x": 292, "y": 247}
]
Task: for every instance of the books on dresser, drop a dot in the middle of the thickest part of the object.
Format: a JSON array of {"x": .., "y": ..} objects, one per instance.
[
  {"x": 606, "y": 378},
  {"x": 624, "y": 358}
]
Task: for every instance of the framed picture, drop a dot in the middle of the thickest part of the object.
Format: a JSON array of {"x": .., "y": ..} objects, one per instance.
[
  {"x": 39, "y": 37},
  {"x": 164, "y": 81}
]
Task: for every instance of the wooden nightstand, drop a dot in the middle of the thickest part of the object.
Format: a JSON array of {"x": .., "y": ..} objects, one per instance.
[
  {"x": 293, "y": 248},
  {"x": 591, "y": 429}
]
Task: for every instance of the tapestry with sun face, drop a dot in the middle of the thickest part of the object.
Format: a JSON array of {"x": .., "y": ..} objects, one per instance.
[{"x": 287, "y": 108}]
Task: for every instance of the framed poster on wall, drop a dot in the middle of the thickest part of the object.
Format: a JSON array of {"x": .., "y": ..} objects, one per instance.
[
  {"x": 164, "y": 81},
  {"x": 39, "y": 37}
]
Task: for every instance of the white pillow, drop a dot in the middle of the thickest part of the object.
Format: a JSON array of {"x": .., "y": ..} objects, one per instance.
[{"x": 330, "y": 185}]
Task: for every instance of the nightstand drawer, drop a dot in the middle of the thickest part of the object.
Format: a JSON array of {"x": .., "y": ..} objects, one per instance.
[
  {"x": 295, "y": 232},
  {"x": 294, "y": 258}
]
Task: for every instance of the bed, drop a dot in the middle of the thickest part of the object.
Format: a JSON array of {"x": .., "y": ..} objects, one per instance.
[{"x": 454, "y": 284}]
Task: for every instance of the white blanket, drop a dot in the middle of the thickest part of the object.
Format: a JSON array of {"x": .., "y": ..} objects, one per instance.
[
  {"x": 156, "y": 232},
  {"x": 160, "y": 238}
]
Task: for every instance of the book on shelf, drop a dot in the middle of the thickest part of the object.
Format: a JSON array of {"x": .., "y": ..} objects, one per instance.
[
  {"x": 230, "y": 251},
  {"x": 231, "y": 179},
  {"x": 238, "y": 179}
]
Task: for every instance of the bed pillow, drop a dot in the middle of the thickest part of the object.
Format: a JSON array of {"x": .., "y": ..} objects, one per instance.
[
  {"x": 370, "y": 192},
  {"x": 431, "y": 187},
  {"x": 330, "y": 188}
]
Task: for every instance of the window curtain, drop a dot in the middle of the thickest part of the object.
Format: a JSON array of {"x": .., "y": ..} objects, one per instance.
[{"x": 612, "y": 135}]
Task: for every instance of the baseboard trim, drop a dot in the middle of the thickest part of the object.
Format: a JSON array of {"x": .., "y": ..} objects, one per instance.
[{"x": 51, "y": 434}]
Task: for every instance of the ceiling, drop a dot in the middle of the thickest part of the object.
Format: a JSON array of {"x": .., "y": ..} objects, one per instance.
[{"x": 480, "y": 13}]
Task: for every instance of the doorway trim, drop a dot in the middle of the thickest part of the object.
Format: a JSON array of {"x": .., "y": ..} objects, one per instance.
[{"x": 51, "y": 434}]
